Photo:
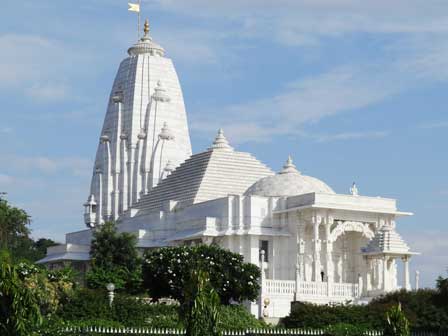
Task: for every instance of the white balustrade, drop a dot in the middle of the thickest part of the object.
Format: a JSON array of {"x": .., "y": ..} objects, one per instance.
[
  {"x": 279, "y": 286},
  {"x": 311, "y": 289}
]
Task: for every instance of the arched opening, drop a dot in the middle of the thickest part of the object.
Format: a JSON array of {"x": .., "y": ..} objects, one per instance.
[{"x": 348, "y": 259}]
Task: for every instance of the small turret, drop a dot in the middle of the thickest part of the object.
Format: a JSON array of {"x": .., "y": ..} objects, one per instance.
[{"x": 90, "y": 209}]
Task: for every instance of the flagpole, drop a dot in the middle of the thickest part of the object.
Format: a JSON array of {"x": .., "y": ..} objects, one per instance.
[{"x": 138, "y": 24}]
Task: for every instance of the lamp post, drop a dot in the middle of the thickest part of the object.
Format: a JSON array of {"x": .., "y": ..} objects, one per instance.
[{"x": 110, "y": 288}]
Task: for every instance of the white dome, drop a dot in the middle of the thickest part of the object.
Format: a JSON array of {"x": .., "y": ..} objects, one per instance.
[{"x": 288, "y": 182}]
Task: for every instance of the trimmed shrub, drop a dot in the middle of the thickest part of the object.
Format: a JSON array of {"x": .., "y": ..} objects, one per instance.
[
  {"x": 345, "y": 329},
  {"x": 237, "y": 317},
  {"x": 166, "y": 272}
]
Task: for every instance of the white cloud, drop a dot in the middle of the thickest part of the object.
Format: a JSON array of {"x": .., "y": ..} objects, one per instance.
[
  {"x": 303, "y": 21},
  {"x": 352, "y": 136},
  {"x": 6, "y": 180},
  {"x": 435, "y": 124},
  {"x": 47, "y": 92},
  {"x": 338, "y": 91},
  {"x": 50, "y": 165},
  {"x": 6, "y": 130},
  {"x": 39, "y": 67},
  {"x": 433, "y": 260}
]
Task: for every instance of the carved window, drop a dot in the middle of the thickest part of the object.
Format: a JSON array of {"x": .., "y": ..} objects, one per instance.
[{"x": 264, "y": 246}]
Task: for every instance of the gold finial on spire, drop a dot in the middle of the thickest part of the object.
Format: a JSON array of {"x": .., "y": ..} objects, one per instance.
[{"x": 146, "y": 27}]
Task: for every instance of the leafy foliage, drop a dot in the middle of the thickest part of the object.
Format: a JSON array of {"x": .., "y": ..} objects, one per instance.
[
  {"x": 442, "y": 292},
  {"x": 166, "y": 272},
  {"x": 19, "y": 309},
  {"x": 14, "y": 235},
  {"x": 424, "y": 309},
  {"x": 87, "y": 306},
  {"x": 396, "y": 322},
  {"x": 200, "y": 310},
  {"x": 114, "y": 259},
  {"x": 13, "y": 225},
  {"x": 27, "y": 293},
  {"x": 237, "y": 317},
  {"x": 345, "y": 329},
  {"x": 308, "y": 315}
]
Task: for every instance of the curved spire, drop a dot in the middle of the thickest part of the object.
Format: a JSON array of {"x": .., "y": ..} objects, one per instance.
[
  {"x": 289, "y": 167},
  {"x": 220, "y": 142}
]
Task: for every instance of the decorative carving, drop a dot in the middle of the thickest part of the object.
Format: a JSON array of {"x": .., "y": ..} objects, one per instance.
[
  {"x": 354, "y": 190},
  {"x": 343, "y": 227}
]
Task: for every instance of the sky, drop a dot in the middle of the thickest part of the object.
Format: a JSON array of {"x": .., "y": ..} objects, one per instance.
[{"x": 353, "y": 90}]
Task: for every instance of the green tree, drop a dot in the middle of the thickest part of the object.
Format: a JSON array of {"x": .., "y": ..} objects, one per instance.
[
  {"x": 200, "y": 310},
  {"x": 115, "y": 259},
  {"x": 40, "y": 247},
  {"x": 166, "y": 272},
  {"x": 13, "y": 225},
  {"x": 396, "y": 322},
  {"x": 19, "y": 309}
]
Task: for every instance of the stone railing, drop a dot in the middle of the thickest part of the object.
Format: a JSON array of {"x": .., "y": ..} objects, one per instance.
[
  {"x": 345, "y": 290},
  {"x": 311, "y": 289},
  {"x": 279, "y": 287}
]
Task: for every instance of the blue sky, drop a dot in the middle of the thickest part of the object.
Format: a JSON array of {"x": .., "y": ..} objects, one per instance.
[{"x": 353, "y": 90}]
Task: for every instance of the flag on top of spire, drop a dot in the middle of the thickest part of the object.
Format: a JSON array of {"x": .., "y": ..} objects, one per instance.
[{"x": 134, "y": 7}]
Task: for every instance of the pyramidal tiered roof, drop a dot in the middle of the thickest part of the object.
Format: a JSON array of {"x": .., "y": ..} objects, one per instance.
[
  {"x": 212, "y": 174},
  {"x": 387, "y": 241}
]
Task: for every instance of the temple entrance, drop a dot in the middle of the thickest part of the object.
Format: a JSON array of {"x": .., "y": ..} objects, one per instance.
[{"x": 349, "y": 262}]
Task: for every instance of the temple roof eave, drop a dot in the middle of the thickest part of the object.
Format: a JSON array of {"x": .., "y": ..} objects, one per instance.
[
  {"x": 344, "y": 208},
  {"x": 389, "y": 253}
]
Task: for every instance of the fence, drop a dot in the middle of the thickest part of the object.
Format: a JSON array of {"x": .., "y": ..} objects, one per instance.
[
  {"x": 96, "y": 331},
  {"x": 99, "y": 331}
]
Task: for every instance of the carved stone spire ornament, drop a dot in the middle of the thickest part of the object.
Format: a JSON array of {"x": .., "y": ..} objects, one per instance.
[
  {"x": 289, "y": 167},
  {"x": 220, "y": 142},
  {"x": 354, "y": 190}
]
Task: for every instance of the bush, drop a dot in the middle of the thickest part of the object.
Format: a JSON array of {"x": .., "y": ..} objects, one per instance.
[
  {"x": 237, "y": 317},
  {"x": 27, "y": 293},
  {"x": 396, "y": 322},
  {"x": 308, "y": 315},
  {"x": 345, "y": 329},
  {"x": 421, "y": 307},
  {"x": 132, "y": 312},
  {"x": 87, "y": 307},
  {"x": 19, "y": 310},
  {"x": 166, "y": 272},
  {"x": 88, "y": 304}
]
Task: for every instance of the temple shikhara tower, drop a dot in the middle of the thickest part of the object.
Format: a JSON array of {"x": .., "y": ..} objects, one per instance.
[
  {"x": 312, "y": 243},
  {"x": 145, "y": 132}
]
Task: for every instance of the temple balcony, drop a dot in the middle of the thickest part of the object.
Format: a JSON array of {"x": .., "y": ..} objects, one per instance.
[{"x": 280, "y": 294}]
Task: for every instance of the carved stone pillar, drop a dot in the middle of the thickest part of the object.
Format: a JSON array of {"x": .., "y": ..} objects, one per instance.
[
  {"x": 339, "y": 269},
  {"x": 385, "y": 273},
  {"x": 316, "y": 252},
  {"x": 368, "y": 277},
  {"x": 329, "y": 253},
  {"x": 406, "y": 281}
]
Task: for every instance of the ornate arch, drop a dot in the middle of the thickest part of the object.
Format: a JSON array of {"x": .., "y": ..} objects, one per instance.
[{"x": 343, "y": 227}]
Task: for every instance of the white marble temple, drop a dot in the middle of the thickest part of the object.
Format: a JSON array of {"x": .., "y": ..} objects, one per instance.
[{"x": 312, "y": 244}]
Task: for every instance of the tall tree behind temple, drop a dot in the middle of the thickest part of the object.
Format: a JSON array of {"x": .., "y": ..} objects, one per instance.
[
  {"x": 13, "y": 225},
  {"x": 15, "y": 234}
]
